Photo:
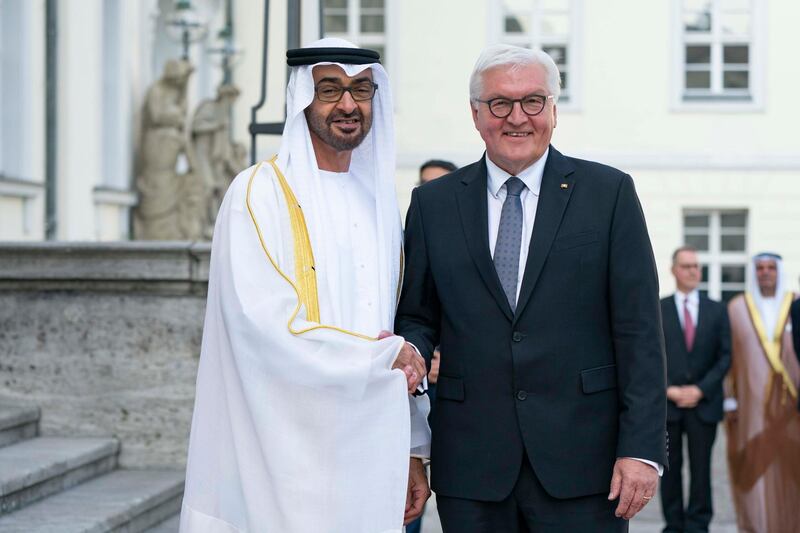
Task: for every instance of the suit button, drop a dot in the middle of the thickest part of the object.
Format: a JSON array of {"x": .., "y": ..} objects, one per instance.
[
  {"x": 516, "y": 337},
  {"x": 522, "y": 395}
]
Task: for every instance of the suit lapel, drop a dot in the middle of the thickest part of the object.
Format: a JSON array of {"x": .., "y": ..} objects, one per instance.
[
  {"x": 472, "y": 207},
  {"x": 673, "y": 324},
  {"x": 553, "y": 199},
  {"x": 702, "y": 319}
]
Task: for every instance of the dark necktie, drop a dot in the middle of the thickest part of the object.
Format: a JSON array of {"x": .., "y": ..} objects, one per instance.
[
  {"x": 688, "y": 326},
  {"x": 509, "y": 237}
]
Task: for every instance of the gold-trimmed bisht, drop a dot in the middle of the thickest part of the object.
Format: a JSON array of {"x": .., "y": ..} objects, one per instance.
[
  {"x": 772, "y": 347},
  {"x": 305, "y": 286}
]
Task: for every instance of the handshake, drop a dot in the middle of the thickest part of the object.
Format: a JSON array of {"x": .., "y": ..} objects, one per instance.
[{"x": 410, "y": 362}]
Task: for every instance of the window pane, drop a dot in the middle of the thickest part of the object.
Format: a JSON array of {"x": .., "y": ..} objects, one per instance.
[
  {"x": 697, "y": 5},
  {"x": 695, "y": 221},
  {"x": 516, "y": 24},
  {"x": 704, "y": 273},
  {"x": 372, "y": 3},
  {"x": 735, "y": 23},
  {"x": 335, "y": 23},
  {"x": 733, "y": 273},
  {"x": 564, "y": 85},
  {"x": 555, "y": 5},
  {"x": 733, "y": 220},
  {"x": 738, "y": 5},
  {"x": 727, "y": 296},
  {"x": 733, "y": 243},
  {"x": 737, "y": 54},
  {"x": 698, "y": 54},
  {"x": 735, "y": 79},
  {"x": 517, "y": 7},
  {"x": 697, "y": 21},
  {"x": 381, "y": 52},
  {"x": 555, "y": 25},
  {"x": 558, "y": 53},
  {"x": 371, "y": 23},
  {"x": 699, "y": 79},
  {"x": 335, "y": 3},
  {"x": 698, "y": 241}
]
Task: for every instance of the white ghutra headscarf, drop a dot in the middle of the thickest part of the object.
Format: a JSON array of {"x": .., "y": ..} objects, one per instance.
[
  {"x": 375, "y": 157},
  {"x": 768, "y": 308}
]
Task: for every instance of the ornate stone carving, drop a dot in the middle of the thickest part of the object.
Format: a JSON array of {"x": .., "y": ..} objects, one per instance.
[
  {"x": 215, "y": 158},
  {"x": 164, "y": 195}
]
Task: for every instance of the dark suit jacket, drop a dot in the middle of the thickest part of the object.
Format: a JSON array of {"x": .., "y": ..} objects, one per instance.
[
  {"x": 794, "y": 313},
  {"x": 576, "y": 377},
  {"x": 708, "y": 361}
]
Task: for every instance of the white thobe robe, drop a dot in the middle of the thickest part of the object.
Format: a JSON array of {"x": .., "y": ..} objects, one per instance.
[{"x": 297, "y": 433}]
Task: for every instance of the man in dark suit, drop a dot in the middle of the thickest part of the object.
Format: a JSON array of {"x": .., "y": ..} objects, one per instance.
[
  {"x": 794, "y": 314},
  {"x": 534, "y": 273},
  {"x": 698, "y": 345}
]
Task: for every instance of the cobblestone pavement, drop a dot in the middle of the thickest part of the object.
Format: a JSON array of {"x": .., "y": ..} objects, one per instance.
[{"x": 650, "y": 520}]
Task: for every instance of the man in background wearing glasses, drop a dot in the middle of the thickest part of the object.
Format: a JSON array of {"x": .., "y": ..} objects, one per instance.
[
  {"x": 304, "y": 419},
  {"x": 533, "y": 273}
]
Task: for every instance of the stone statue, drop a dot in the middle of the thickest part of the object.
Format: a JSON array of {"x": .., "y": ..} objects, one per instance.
[
  {"x": 214, "y": 157},
  {"x": 167, "y": 199}
]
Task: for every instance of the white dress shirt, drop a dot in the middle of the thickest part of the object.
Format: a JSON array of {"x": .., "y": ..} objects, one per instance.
[
  {"x": 693, "y": 304},
  {"x": 496, "y": 195}
]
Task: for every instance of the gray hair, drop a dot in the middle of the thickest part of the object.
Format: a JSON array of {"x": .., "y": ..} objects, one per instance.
[{"x": 513, "y": 56}]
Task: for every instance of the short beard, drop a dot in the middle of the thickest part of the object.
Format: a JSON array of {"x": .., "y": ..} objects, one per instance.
[{"x": 322, "y": 127}]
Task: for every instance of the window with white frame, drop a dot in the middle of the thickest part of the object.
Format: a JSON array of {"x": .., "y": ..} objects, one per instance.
[
  {"x": 362, "y": 22},
  {"x": 717, "y": 49},
  {"x": 720, "y": 236},
  {"x": 545, "y": 24}
]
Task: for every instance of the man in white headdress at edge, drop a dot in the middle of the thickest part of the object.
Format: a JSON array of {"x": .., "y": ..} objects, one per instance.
[
  {"x": 762, "y": 422},
  {"x": 304, "y": 420}
]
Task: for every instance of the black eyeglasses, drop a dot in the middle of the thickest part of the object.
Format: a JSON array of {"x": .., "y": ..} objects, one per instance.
[
  {"x": 531, "y": 105},
  {"x": 331, "y": 92}
]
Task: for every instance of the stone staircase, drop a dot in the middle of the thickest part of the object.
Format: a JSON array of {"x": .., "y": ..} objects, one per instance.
[{"x": 73, "y": 485}]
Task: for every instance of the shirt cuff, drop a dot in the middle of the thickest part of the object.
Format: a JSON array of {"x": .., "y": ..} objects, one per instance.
[
  {"x": 425, "y": 460},
  {"x": 659, "y": 468},
  {"x": 730, "y": 404}
]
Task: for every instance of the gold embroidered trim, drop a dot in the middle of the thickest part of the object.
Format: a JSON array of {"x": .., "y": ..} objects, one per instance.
[
  {"x": 305, "y": 273},
  {"x": 772, "y": 349},
  {"x": 304, "y": 266}
]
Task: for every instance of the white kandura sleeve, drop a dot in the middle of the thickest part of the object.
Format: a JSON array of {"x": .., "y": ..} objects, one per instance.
[{"x": 419, "y": 407}]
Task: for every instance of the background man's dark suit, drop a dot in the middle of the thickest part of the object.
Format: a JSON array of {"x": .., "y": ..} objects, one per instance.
[
  {"x": 574, "y": 379},
  {"x": 795, "y": 317},
  {"x": 705, "y": 366}
]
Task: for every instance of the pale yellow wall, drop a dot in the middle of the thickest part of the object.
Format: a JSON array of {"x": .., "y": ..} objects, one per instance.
[
  {"x": 108, "y": 222},
  {"x": 771, "y": 199},
  {"x": 11, "y": 219}
]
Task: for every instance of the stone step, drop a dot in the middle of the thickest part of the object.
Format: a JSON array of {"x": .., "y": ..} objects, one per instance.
[
  {"x": 170, "y": 525},
  {"x": 33, "y": 469},
  {"x": 123, "y": 501},
  {"x": 17, "y": 422}
]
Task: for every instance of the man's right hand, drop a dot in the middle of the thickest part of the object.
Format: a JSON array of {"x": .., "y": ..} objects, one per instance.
[{"x": 410, "y": 362}]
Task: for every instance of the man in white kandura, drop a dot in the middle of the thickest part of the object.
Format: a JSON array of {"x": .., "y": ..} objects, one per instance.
[{"x": 303, "y": 420}]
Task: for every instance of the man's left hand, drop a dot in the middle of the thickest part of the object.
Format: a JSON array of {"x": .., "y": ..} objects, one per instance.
[
  {"x": 418, "y": 491},
  {"x": 634, "y": 483}
]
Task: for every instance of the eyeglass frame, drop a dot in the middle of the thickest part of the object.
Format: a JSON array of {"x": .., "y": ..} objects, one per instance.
[
  {"x": 348, "y": 89},
  {"x": 514, "y": 101}
]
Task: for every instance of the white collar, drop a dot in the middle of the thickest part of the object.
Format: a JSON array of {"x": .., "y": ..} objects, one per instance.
[
  {"x": 693, "y": 297},
  {"x": 531, "y": 176}
]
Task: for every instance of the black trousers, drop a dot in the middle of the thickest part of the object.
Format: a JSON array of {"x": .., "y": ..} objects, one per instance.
[
  {"x": 529, "y": 509},
  {"x": 697, "y": 515}
]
